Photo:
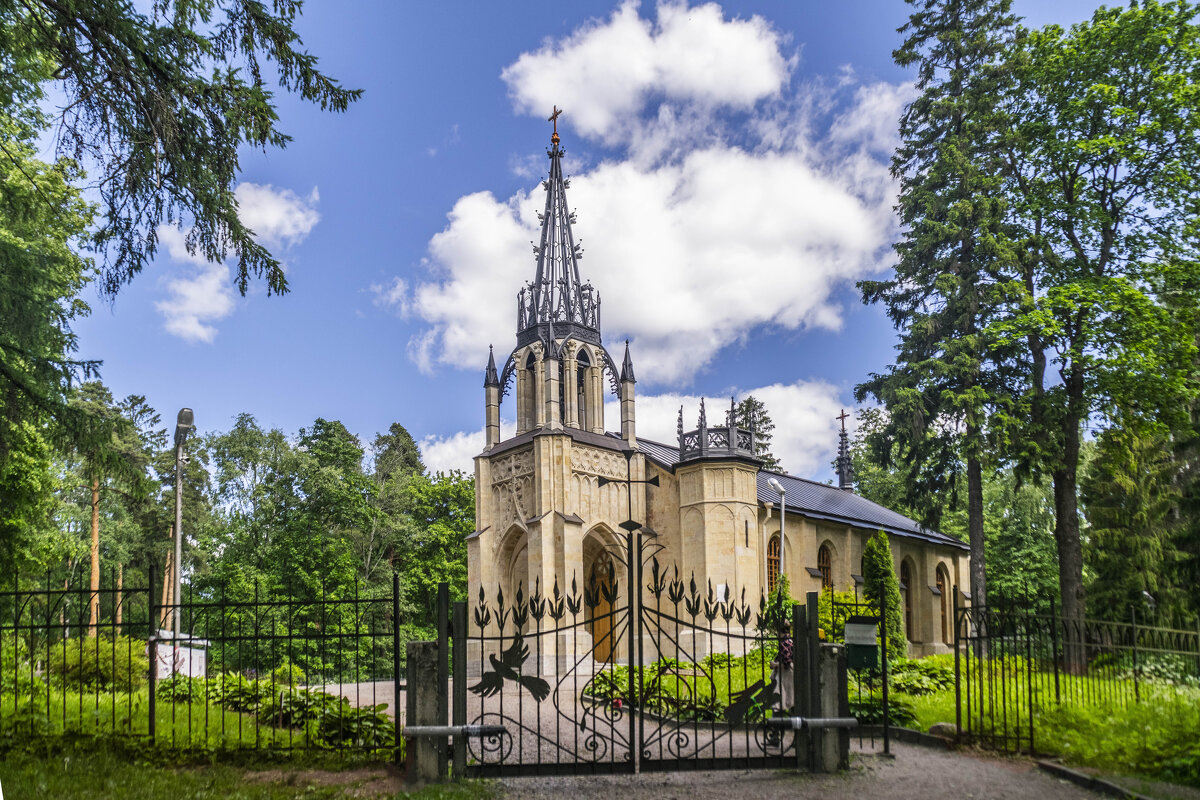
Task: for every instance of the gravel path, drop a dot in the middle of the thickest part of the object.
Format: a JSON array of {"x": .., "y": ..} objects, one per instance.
[{"x": 916, "y": 773}]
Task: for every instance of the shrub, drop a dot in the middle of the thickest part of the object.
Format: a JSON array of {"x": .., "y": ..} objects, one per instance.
[
  {"x": 237, "y": 692},
  {"x": 868, "y": 710},
  {"x": 100, "y": 662},
  {"x": 919, "y": 676},
  {"x": 288, "y": 674},
  {"x": 368, "y": 726},
  {"x": 182, "y": 689}
]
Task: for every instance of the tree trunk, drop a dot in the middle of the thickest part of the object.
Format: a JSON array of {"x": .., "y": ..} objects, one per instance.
[
  {"x": 975, "y": 530},
  {"x": 94, "y": 583},
  {"x": 1066, "y": 529}
]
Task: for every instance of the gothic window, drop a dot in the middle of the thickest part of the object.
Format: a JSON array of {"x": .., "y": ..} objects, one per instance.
[
  {"x": 528, "y": 411},
  {"x": 943, "y": 584},
  {"x": 906, "y": 588},
  {"x": 772, "y": 563},
  {"x": 825, "y": 567},
  {"x": 584, "y": 362}
]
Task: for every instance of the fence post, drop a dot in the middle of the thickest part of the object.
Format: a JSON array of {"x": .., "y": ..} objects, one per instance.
[
  {"x": 152, "y": 646},
  {"x": 459, "y": 638},
  {"x": 957, "y": 669},
  {"x": 396, "y": 666},
  {"x": 443, "y": 674},
  {"x": 424, "y": 752},
  {"x": 887, "y": 716},
  {"x": 799, "y": 695},
  {"x": 1137, "y": 692},
  {"x": 1054, "y": 649}
]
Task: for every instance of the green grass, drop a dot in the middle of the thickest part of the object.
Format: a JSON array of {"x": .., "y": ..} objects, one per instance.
[
  {"x": 1095, "y": 723},
  {"x": 58, "y": 713},
  {"x": 77, "y": 774}
]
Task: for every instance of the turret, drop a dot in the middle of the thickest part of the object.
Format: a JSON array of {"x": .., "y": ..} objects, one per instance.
[
  {"x": 628, "y": 426},
  {"x": 491, "y": 391}
]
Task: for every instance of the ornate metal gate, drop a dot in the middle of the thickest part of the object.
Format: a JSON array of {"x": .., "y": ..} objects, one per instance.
[{"x": 632, "y": 668}]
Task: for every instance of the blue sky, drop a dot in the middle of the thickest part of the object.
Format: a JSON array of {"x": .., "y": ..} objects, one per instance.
[{"x": 729, "y": 169}]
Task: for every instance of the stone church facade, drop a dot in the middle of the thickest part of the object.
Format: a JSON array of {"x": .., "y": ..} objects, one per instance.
[{"x": 554, "y": 501}]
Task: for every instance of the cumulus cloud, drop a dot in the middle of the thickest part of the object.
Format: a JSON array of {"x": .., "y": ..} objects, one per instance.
[
  {"x": 689, "y": 60},
  {"x": 393, "y": 295},
  {"x": 279, "y": 217},
  {"x": 458, "y": 450},
  {"x": 756, "y": 205},
  {"x": 198, "y": 297},
  {"x": 201, "y": 293},
  {"x": 805, "y": 436}
]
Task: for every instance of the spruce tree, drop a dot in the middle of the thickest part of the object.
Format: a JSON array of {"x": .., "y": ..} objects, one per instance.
[{"x": 953, "y": 251}]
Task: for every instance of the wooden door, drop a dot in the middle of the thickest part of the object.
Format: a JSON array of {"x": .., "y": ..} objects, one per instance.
[{"x": 602, "y": 632}]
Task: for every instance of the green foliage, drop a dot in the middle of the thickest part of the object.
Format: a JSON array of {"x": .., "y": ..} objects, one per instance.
[
  {"x": 288, "y": 674},
  {"x": 868, "y": 710},
  {"x": 102, "y": 663},
  {"x": 751, "y": 413},
  {"x": 879, "y": 572},
  {"x": 775, "y": 616},
  {"x": 920, "y": 676},
  {"x": 165, "y": 137},
  {"x": 833, "y": 626},
  {"x": 182, "y": 689},
  {"x": 1130, "y": 498}
]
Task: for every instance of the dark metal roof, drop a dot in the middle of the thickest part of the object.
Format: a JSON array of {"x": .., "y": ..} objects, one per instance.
[{"x": 820, "y": 500}]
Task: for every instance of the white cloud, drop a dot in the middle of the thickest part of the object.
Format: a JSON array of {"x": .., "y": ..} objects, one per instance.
[
  {"x": 458, "y": 450},
  {"x": 279, "y": 217},
  {"x": 202, "y": 293},
  {"x": 710, "y": 223},
  {"x": 393, "y": 295},
  {"x": 605, "y": 72},
  {"x": 197, "y": 298},
  {"x": 805, "y": 436}
]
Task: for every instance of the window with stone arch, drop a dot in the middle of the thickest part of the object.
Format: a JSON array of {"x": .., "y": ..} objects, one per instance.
[
  {"x": 906, "y": 588},
  {"x": 527, "y": 411},
  {"x": 825, "y": 567},
  {"x": 943, "y": 587},
  {"x": 772, "y": 563},
  {"x": 581, "y": 395}
]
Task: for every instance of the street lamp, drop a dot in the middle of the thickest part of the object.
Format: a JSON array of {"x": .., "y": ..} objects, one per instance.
[
  {"x": 184, "y": 424},
  {"x": 777, "y": 486}
]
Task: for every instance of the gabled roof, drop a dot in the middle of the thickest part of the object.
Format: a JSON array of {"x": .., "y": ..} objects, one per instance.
[{"x": 819, "y": 500}]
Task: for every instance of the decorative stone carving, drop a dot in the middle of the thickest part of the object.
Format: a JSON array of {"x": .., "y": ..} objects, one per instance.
[
  {"x": 594, "y": 461},
  {"x": 512, "y": 466}
]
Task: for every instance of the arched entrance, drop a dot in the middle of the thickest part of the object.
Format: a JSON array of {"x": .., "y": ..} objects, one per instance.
[{"x": 600, "y": 581}]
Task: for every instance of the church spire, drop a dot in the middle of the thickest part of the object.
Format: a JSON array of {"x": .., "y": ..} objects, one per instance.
[
  {"x": 845, "y": 469},
  {"x": 556, "y": 303},
  {"x": 490, "y": 378}
]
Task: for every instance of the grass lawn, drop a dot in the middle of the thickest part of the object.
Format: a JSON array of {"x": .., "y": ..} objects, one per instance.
[{"x": 77, "y": 774}]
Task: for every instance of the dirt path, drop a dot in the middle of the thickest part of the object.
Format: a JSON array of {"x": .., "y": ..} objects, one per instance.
[{"x": 916, "y": 773}]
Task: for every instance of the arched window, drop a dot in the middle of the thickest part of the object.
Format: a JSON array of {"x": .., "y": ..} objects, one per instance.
[
  {"x": 825, "y": 567},
  {"x": 943, "y": 586},
  {"x": 906, "y": 588},
  {"x": 584, "y": 362},
  {"x": 772, "y": 563},
  {"x": 528, "y": 412}
]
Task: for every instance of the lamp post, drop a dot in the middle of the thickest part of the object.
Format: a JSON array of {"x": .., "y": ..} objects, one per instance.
[
  {"x": 184, "y": 424},
  {"x": 777, "y": 486}
]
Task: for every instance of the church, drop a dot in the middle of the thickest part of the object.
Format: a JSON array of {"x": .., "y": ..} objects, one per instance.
[{"x": 554, "y": 501}]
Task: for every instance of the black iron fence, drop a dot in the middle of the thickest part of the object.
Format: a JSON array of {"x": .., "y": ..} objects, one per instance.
[
  {"x": 247, "y": 670},
  {"x": 1013, "y": 667}
]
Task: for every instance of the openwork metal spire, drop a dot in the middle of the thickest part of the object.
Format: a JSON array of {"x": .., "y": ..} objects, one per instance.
[
  {"x": 557, "y": 302},
  {"x": 845, "y": 468}
]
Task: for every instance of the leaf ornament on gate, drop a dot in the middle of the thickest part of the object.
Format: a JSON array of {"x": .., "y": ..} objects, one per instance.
[
  {"x": 506, "y": 668},
  {"x": 573, "y": 599},
  {"x": 658, "y": 580},
  {"x": 537, "y": 603},
  {"x": 482, "y": 614},
  {"x": 743, "y": 612}
]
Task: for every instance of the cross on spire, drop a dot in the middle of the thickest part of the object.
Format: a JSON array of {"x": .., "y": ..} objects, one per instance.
[
  {"x": 554, "y": 118},
  {"x": 842, "y": 417}
]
